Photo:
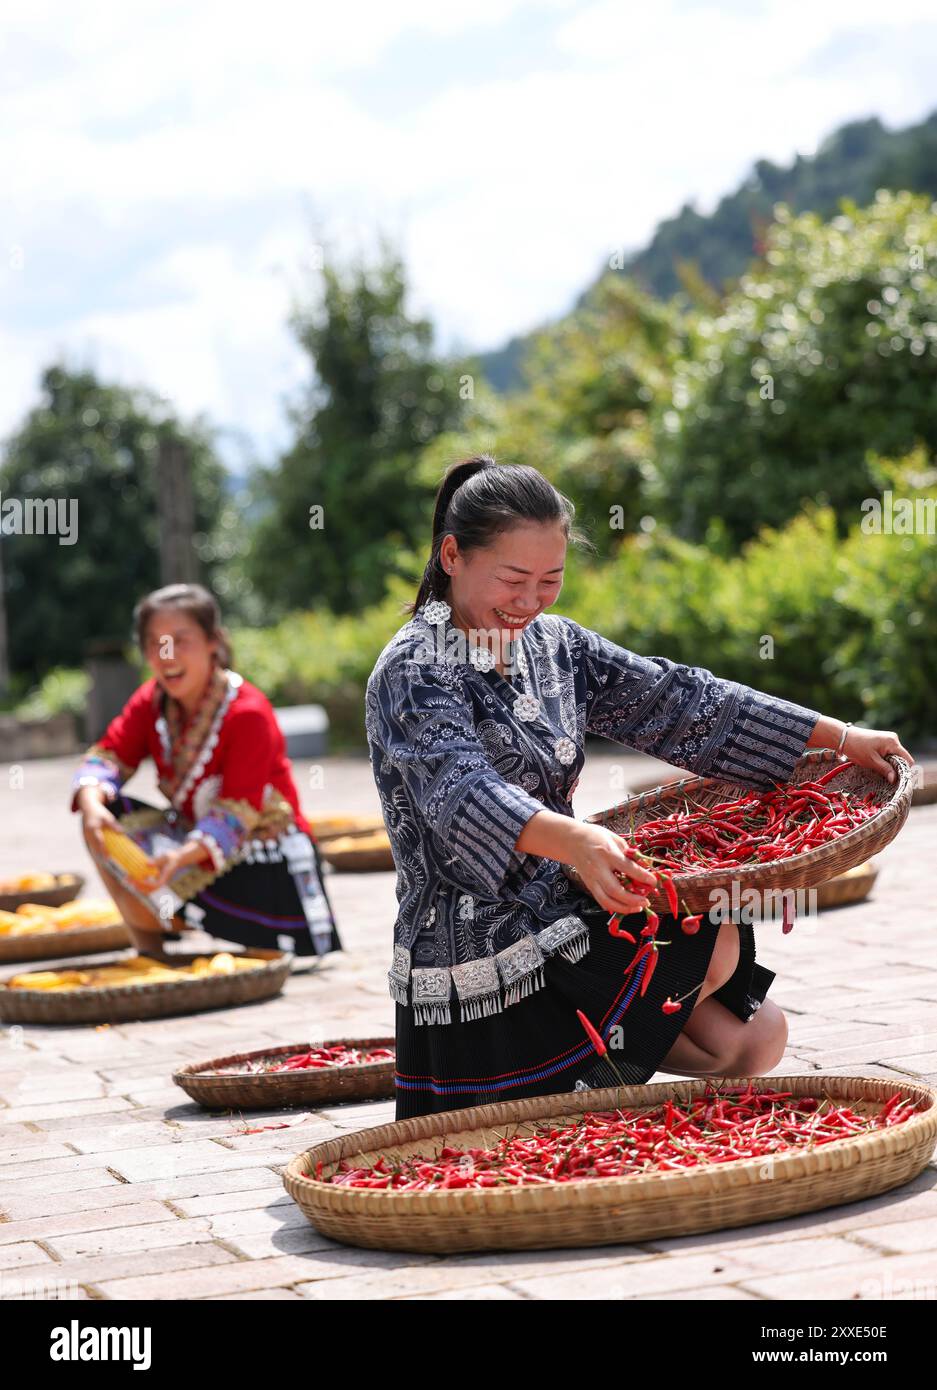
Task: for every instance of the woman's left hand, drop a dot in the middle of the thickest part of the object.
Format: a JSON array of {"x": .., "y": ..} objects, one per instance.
[
  {"x": 168, "y": 864},
  {"x": 164, "y": 866},
  {"x": 869, "y": 747}
]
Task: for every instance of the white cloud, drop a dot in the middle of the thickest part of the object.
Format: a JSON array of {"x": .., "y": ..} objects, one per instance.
[{"x": 160, "y": 162}]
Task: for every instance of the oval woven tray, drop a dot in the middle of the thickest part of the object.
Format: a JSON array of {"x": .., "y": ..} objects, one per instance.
[
  {"x": 331, "y": 827},
  {"x": 267, "y": 1090},
  {"x": 124, "y": 1003},
  {"x": 347, "y": 858},
  {"x": 851, "y": 887},
  {"x": 69, "y": 941},
  {"x": 608, "y": 1211},
  {"x": 806, "y": 870},
  {"x": 67, "y": 889}
]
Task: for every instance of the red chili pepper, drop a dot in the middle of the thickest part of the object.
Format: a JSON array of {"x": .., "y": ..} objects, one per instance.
[
  {"x": 671, "y": 893},
  {"x": 648, "y": 974},
  {"x": 669, "y": 1006},
  {"x": 653, "y": 922},
  {"x": 594, "y": 1036},
  {"x": 691, "y": 924}
]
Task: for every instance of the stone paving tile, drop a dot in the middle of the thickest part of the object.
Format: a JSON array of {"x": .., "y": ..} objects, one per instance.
[
  {"x": 239, "y": 1276},
  {"x": 176, "y": 1160},
  {"x": 31, "y": 1152},
  {"x": 874, "y": 1280},
  {"x": 62, "y": 1110},
  {"x": 647, "y": 1277},
  {"x": 24, "y": 1254},
  {"x": 168, "y": 1263},
  {"x": 47, "y": 1227},
  {"x": 45, "y": 1203},
  {"x": 903, "y": 1237},
  {"x": 289, "y": 1240},
  {"x": 71, "y": 1180},
  {"x": 723, "y": 1292},
  {"x": 254, "y": 1199},
  {"x": 116, "y": 1241},
  {"x": 483, "y": 1293},
  {"x": 267, "y": 1295}
]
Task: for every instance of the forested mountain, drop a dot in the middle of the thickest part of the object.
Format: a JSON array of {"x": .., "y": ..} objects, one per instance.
[{"x": 851, "y": 163}]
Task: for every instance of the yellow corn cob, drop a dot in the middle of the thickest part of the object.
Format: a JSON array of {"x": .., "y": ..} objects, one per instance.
[{"x": 127, "y": 854}]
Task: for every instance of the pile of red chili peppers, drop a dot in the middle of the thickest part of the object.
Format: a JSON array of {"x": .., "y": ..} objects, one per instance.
[
  {"x": 755, "y": 829},
  {"x": 714, "y": 1128},
  {"x": 338, "y": 1056}
]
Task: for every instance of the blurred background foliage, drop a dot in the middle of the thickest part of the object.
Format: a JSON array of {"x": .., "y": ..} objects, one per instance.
[{"x": 717, "y": 442}]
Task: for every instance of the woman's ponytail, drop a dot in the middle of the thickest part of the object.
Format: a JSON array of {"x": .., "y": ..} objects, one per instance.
[{"x": 435, "y": 580}]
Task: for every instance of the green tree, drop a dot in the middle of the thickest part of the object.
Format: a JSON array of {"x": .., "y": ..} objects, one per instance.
[
  {"x": 94, "y": 445},
  {"x": 379, "y": 396},
  {"x": 821, "y": 356}
]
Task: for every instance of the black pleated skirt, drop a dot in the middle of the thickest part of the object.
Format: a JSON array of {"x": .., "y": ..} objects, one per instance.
[
  {"x": 537, "y": 1046},
  {"x": 256, "y": 902}
]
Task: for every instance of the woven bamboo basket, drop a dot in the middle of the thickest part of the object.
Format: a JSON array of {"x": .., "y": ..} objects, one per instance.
[
  {"x": 67, "y": 888},
  {"x": 608, "y": 1211},
  {"x": 126, "y": 1003},
  {"x": 365, "y": 852},
  {"x": 267, "y": 1091},
  {"x": 806, "y": 870},
  {"x": 330, "y": 827},
  {"x": 68, "y": 941},
  {"x": 851, "y": 887}
]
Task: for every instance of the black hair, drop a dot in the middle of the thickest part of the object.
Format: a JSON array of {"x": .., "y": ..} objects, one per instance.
[
  {"x": 193, "y": 600},
  {"x": 478, "y": 499}
]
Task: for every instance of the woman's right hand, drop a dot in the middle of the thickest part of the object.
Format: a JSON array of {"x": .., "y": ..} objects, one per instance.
[
  {"x": 95, "y": 816},
  {"x": 599, "y": 856}
]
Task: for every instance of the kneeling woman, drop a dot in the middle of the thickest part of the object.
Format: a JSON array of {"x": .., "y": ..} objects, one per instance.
[
  {"x": 233, "y": 848},
  {"x": 476, "y": 759}
]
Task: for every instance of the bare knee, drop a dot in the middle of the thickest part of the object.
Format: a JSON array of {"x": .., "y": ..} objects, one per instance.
[{"x": 763, "y": 1041}]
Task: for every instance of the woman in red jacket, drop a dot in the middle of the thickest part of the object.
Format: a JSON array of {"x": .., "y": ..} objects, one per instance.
[{"x": 233, "y": 853}]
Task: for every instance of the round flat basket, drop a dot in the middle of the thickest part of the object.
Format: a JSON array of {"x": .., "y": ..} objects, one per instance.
[
  {"x": 66, "y": 889},
  {"x": 68, "y": 941},
  {"x": 609, "y": 1211},
  {"x": 267, "y": 1090},
  {"x": 331, "y": 827},
  {"x": 369, "y": 852},
  {"x": 805, "y": 870},
  {"x": 125, "y": 1003},
  {"x": 851, "y": 887}
]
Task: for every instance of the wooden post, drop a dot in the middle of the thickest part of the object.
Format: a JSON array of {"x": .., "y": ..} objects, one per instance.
[
  {"x": 177, "y": 557},
  {"x": 4, "y": 641}
]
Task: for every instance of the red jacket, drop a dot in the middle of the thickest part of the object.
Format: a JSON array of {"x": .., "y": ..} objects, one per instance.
[{"x": 237, "y": 782}]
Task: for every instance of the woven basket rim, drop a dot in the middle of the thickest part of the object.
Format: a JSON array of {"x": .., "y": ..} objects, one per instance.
[
  {"x": 793, "y": 1163},
  {"x": 58, "y": 932},
  {"x": 104, "y": 993},
  {"x": 890, "y": 809},
  {"x": 35, "y": 895},
  {"x": 200, "y": 1069}
]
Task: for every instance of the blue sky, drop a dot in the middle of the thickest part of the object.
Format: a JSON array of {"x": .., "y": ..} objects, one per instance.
[{"x": 166, "y": 168}]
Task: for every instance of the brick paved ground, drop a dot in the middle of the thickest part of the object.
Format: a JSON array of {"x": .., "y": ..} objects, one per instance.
[{"x": 115, "y": 1186}]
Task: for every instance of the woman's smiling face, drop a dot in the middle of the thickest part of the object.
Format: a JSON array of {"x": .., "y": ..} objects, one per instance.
[
  {"x": 180, "y": 655},
  {"x": 505, "y": 585}
]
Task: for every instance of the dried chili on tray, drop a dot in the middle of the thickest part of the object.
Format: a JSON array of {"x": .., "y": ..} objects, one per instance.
[
  {"x": 339, "y": 1055},
  {"x": 714, "y": 1128}
]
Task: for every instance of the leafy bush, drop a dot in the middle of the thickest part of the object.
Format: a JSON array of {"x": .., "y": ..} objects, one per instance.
[{"x": 62, "y": 691}]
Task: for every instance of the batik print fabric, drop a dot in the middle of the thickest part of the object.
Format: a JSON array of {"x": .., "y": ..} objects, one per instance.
[{"x": 461, "y": 766}]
